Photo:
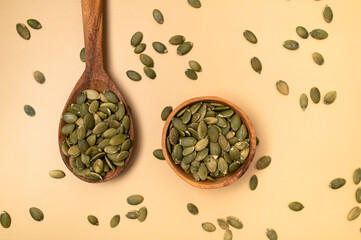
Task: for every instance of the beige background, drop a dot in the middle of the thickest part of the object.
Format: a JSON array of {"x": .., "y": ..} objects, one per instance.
[{"x": 308, "y": 149}]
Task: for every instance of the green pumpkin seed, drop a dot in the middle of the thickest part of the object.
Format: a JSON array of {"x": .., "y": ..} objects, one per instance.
[
  {"x": 23, "y": 31},
  {"x": 146, "y": 60},
  {"x": 263, "y": 162},
  {"x": 315, "y": 95},
  {"x": 327, "y": 14},
  {"x": 114, "y": 221},
  {"x": 253, "y": 182},
  {"x": 208, "y": 227},
  {"x": 250, "y": 36},
  {"x": 296, "y": 206},
  {"x": 178, "y": 124},
  {"x": 194, "y": 3},
  {"x": 158, "y": 153},
  {"x": 165, "y": 112},
  {"x": 29, "y": 110},
  {"x": 303, "y": 101},
  {"x": 187, "y": 141},
  {"x": 203, "y": 172},
  {"x": 82, "y": 55},
  {"x": 195, "y": 66},
  {"x": 92, "y": 94},
  {"x": 337, "y": 183},
  {"x": 93, "y": 177},
  {"x": 319, "y": 34},
  {"x": 39, "y": 77},
  {"x": 302, "y": 32},
  {"x": 177, "y": 40},
  {"x": 158, "y": 16},
  {"x": 291, "y": 45},
  {"x": 228, "y": 235},
  {"x": 226, "y": 113},
  {"x": 271, "y": 234},
  {"x": 132, "y": 214},
  {"x": 318, "y": 58},
  {"x": 5, "y": 219},
  {"x": 330, "y": 97},
  {"x": 136, "y": 39},
  {"x": 236, "y": 122},
  {"x": 111, "y": 96},
  {"x": 257, "y": 141},
  {"x": 159, "y": 47},
  {"x": 242, "y": 133},
  {"x": 69, "y": 117},
  {"x": 256, "y": 65},
  {"x": 358, "y": 195},
  {"x": 100, "y": 128},
  {"x": 184, "y": 48},
  {"x": 282, "y": 87},
  {"x": 357, "y": 176},
  {"x": 140, "y": 48},
  {"x": 143, "y": 212},
  {"x": 135, "y": 199},
  {"x": 234, "y": 222},
  {"x": 150, "y": 72},
  {"x": 133, "y": 75},
  {"x": 36, "y": 214},
  {"x": 223, "y": 223},
  {"x": 33, "y": 23},
  {"x": 191, "y": 74},
  {"x": 93, "y": 220},
  {"x": 234, "y": 166},
  {"x": 56, "y": 174},
  {"x": 241, "y": 145},
  {"x": 354, "y": 213},
  {"x": 126, "y": 145},
  {"x": 192, "y": 209}
]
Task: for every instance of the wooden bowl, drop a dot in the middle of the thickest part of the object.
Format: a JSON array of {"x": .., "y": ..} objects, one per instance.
[{"x": 229, "y": 178}]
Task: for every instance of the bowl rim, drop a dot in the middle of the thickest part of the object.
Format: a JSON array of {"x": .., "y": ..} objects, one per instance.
[{"x": 229, "y": 178}]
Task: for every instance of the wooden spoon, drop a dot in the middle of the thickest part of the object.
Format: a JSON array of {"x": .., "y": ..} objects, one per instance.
[
  {"x": 94, "y": 75},
  {"x": 229, "y": 178}
]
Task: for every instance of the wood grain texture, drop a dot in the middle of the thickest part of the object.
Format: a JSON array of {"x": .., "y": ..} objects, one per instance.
[
  {"x": 220, "y": 182},
  {"x": 94, "y": 76}
]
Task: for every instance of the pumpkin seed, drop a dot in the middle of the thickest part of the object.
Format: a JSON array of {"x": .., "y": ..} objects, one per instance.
[
  {"x": 149, "y": 72},
  {"x": 111, "y": 97},
  {"x": 337, "y": 183},
  {"x": 282, "y": 87},
  {"x": 177, "y": 40},
  {"x": 36, "y": 214},
  {"x": 29, "y": 110},
  {"x": 192, "y": 209},
  {"x": 184, "y": 48},
  {"x": 354, "y": 213},
  {"x": 315, "y": 95},
  {"x": 146, "y": 60},
  {"x": 358, "y": 195},
  {"x": 223, "y": 223},
  {"x": 250, "y": 36},
  {"x": 234, "y": 222},
  {"x": 327, "y": 14},
  {"x": 191, "y": 74},
  {"x": 319, "y": 34},
  {"x": 135, "y": 199},
  {"x": 318, "y": 58},
  {"x": 114, "y": 221},
  {"x": 330, "y": 97},
  {"x": 158, "y": 154},
  {"x": 82, "y": 55},
  {"x": 132, "y": 214},
  {"x": 357, "y": 176},
  {"x": 159, "y": 47},
  {"x": 302, "y": 32},
  {"x": 93, "y": 177},
  {"x": 39, "y": 77},
  {"x": 23, "y": 31},
  {"x": 33, "y": 23},
  {"x": 271, "y": 234},
  {"x": 136, "y": 39},
  {"x": 93, "y": 220},
  {"x": 208, "y": 227},
  {"x": 296, "y": 206},
  {"x": 158, "y": 16},
  {"x": 140, "y": 48},
  {"x": 291, "y": 45},
  {"x": 143, "y": 212},
  {"x": 253, "y": 182},
  {"x": 5, "y": 219},
  {"x": 228, "y": 235},
  {"x": 56, "y": 174},
  {"x": 195, "y": 3},
  {"x": 303, "y": 101},
  {"x": 263, "y": 162},
  {"x": 256, "y": 65},
  {"x": 195, "y": 66}
]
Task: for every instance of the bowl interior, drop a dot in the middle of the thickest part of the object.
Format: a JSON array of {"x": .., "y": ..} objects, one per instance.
[{"x": 229, "y": 178}]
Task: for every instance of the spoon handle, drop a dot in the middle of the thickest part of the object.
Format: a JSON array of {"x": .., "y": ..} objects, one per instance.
[{"x": 93, "y": 34}]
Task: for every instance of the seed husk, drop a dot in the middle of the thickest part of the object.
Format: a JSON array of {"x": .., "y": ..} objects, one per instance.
[
  {"x": 282, "y": 87},
  {"x": 191, "y": 74},
  {"x": 234, "y": 222},
  {"x": 143, "y": 212},
  {"x": 302, "y": 32},
  {"x": 256, "y": 65},
  {"x": 36, "y": 214},
  {"x": 291, "y": 45},
  {"x": 271, "y": 234},
  {"x": 159, "y": 47},
  {"x": 303, "y": 101},
  {"x": 82, "y": 55},
  {"x": 93, "y": 220},
  {"x": 140, "y": 48},
  {"x": 184, "y": 48},
  {"x": 158, "y": 153},
  {"x": 228, "y": 235},
  {"x": 354, "y": 213},
  {"x": 249, "y": 36},
  {"x": 358, "y": 195},
  {"x": 357, "y": 176},
  {"x": 135, "y": 199},
  {"x": 337, "y": 183},
  {"x": 158, "y": 16},
  {"x": 315, "y": 94},
  {"x": 296, "y": 206},
  {"x": 192, "y": 209},
  {"x": 318, "y": 58},
  {"x": 330, "y": 97},
  {"x": 146, "y": 60},
  {"x": 223, "y": 223},
  {"x": 208, "y": 227},
  {"x": 253, "y": 182},
  {"x": 29, "y": 110},
  {"x": 195, "y": 3},
  {"x": 5, "y": 219},
  {"x": 33, "y": 23},
  {"x": 136, "y": 39},
  {"x": 56, "y": 174},
  {"x": 23, "y": 31},
  {"x": 150, "y": 72},
  {"x": 114, "y": 221},
  {"x": 327, "y": 14},
  {"x": 319, "y": 34},
  {"x": 39, "y": 77},
  {"x": 263, "y": 162},
  {"x": 165, "y": 112},
  {"x": 177, "y": 40},
  {"x": 133, "y": 75},
  {"x": 195, "y": 66}
]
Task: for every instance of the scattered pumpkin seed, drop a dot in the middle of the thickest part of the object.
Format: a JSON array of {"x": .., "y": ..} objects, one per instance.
[
  {"x": 354, "y": 213},
  {"x": 29, "y": 110},
  {"x": 256, "y": 65},
  {"x": 195, "y": 66},
  {"x": 132, "y": 214},
  {"x": 56, "y": 174},
  {"x": 327, "y": 14},
  {"x": 228, "y": 235},
  {"x": 234, "y": 222},
  {"x": 330, "y": 97},
  {"x": 192, "y": 209},
  {"x": 282, "y": 87},
  {"x": 318, "y": 58},
  {"x": 303, "y": 101},
  {"x": 33, "y": 23},
  {"x": 208, "y": 227},
  {"x": 337, "y": 183},
  {"x": 39, "y": 77},
  {"x": 5, "y": 219},
  {"x": 136, "y": 39},
  {"x": 93, "y": 220},
  {"x": 82, "y": 55},
  {"x": 143, "y": 212},
  {"x": 133, "y": 75},
  {"x": 150, "y": 72},
  {"x": 165, "y": 112},
  {"x": 194, "y": 3},
  {"x": 36, "y": 214},
  {"x": 158, "y": 153},
  {"x": 271, "y": 234},
  {"x": 146, "y": 60},
  {"x": 357, "y": 176},
  {"x": 223, "y": 223},
  {"x": 23, "y": 31},
  {"x": 263, "y": 162},
  {"x": 291, "y": 45},
  {"x": 191, "y": 74},
  {"x": 296, "y": 206},
  {"x": 114, "y": 221},
  {"x": 135, "y": 199},
  {"x": 177, "y": 40},
  {"x": 302, "y": 32},
  {"x": 358, "y": 195},
  {"x": 315, "y": 94},
  {"x": 140, "y": 48},
  {"x": 159, "y": 47},
  {"x": 257, "y": 141},
  {"x": 184, "y": 48},
  {"x": 250, "y": 36},
  {"x": 319, "y": 34},
  {"x": 253, "y": 182},
  {"x": 158, "y": 16}
]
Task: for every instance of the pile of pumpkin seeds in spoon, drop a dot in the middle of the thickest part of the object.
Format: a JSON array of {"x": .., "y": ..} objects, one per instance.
[
  {"x": 96, "y": 130},
  {"x": 208, "y": 140}
]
